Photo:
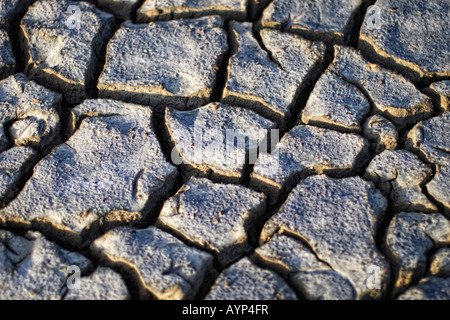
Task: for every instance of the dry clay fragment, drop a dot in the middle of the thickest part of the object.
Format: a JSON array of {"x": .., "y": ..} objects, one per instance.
[
  {"x": 431, "y": 139},
  {"x": 409, "y": 236},
  {"x": 15, "y": 163},
  {"x": 216, "y": 217},
  {"x": 170, "y": 63},
  {"x": 312, "y": 277},
  {"x": 410, "y": 35},
  {"x": 322, "y": 20},
  {"x": 33, "y": 268},
  {"x": 102, "y": 284},
  {"x": 7, "y": 59},
  {"x": 112, "y": 162},
  {"x": 246, "y": 281},
  {"x": 431, "y": 288},
  {"x": 305, "y": 150},
  {"x": 163, "y": 266},
  {"x": 324, "y": 285},
  {"x": 439, "y": 186},
  {"x": 440, "y": 91},
  {"x": 400, "y": 174},
  {"x": 31, "y": 112},
  {"x": 335, "y": 104},
  {"x": 287, "y": 255},
  {"x": 217, "y": 138},
  {"x": 392, "y": 95},
  {"x": 62, "y": 41},
  {"x": 338, "y": 219},
  {"x": 177, "y": 9},
  {"x": 123, "y": 9},
  {"x": 268, "y": 77},
  {"x": 381, "y": 132},
  {"x": 440, "y": 263}
]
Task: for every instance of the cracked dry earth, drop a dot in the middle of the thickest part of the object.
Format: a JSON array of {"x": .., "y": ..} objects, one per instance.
[{"x": 96, "y": 173}]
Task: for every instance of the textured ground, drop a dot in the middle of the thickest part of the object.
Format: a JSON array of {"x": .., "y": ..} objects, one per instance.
[{"x": 105, "y": 195}]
